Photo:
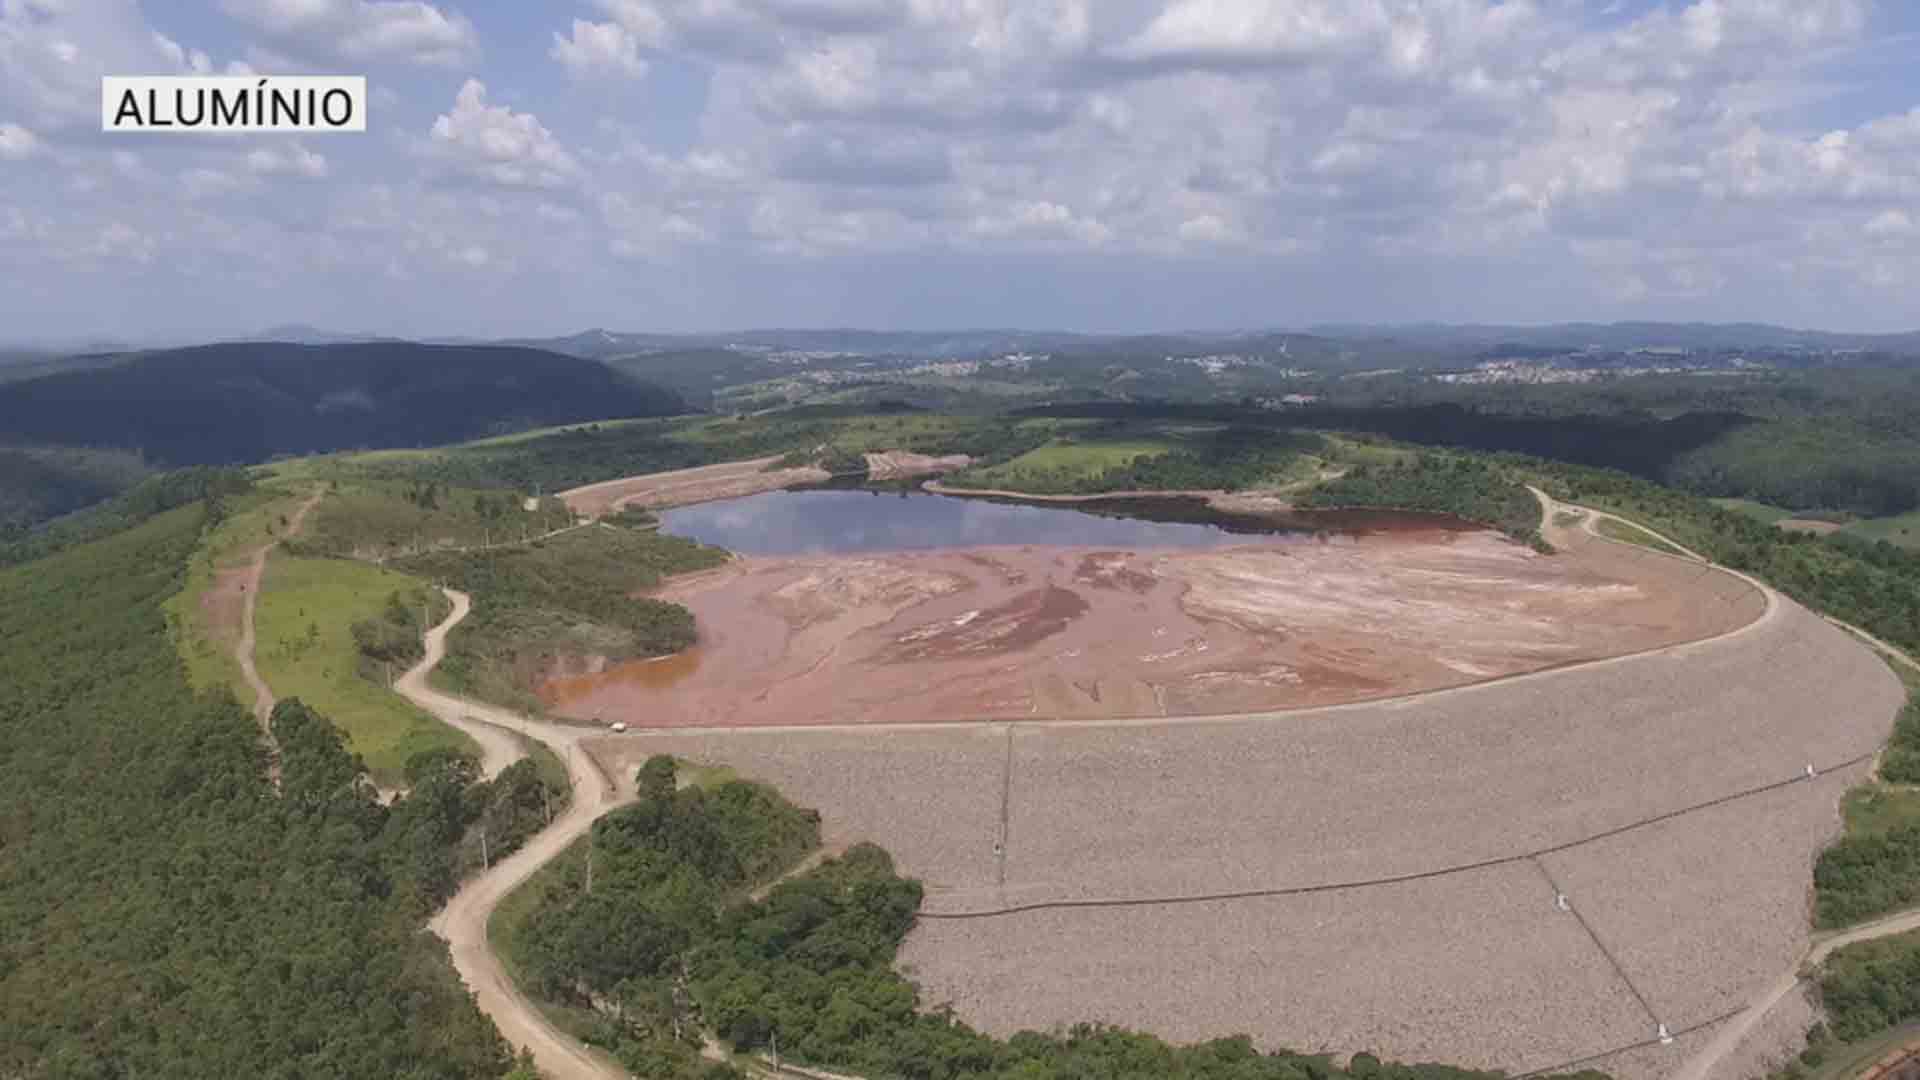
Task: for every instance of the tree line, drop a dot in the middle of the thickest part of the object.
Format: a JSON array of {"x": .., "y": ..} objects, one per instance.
[
  {"x": 1462, "y": 486},
  {"x": 665, "y": 942}
]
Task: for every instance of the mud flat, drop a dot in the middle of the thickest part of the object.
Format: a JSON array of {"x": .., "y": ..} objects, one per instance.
[
  {"x": 1003, "y": 632},
  {"x": 1407, "y": 852}
]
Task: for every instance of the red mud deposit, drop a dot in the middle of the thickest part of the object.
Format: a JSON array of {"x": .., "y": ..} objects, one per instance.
[{"x": 1006, "y": 632}]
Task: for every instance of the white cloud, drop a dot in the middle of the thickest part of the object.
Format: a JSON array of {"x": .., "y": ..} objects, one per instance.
[
  {"x": 291, "y": 159},
  {"x": 499, "y": 146},
  {"x": 1042, "y": 220},
  {"x": 52, "y": 57},
  {"x": 1208, "y": 229},
  {"x": 1207, "y": 32},
  {"x": 17, "y": 143},
  {"x": 405, "y": 30},
  {"x": 1653, "y": 155},
  {"x": 208, "y": 183},
  {"x": 186, "y": 59},
  {"x": 1890, "y": 224},
  {"x": 599, "y": 49}
]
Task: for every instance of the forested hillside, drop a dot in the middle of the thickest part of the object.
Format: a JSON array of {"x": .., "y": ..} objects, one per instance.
[
  {"x": 1843, "y": 438},
  {"x": 149, "y": 497},
  {"x": 221, "y": 404},
  {"x": 38, "y": 483},
  {"x": 162, "y": 912}
]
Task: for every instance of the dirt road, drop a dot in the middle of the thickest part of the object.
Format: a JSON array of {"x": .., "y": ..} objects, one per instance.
[
  {"x": 243, "y": 650},
  {"x": 463, "y": 922},
  {"x": 1729, "y": 1037},
  {"x": 482, "y": 723}
]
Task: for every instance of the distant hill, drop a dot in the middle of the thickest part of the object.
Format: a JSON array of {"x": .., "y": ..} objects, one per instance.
[
  {"x": 302, "y": 334},
  {"x": 1623, "y": 335},
  {"x": 247, "y": 402}
]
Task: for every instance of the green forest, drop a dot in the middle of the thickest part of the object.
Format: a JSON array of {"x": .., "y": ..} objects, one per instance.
[
  {"x": 1833, "y": 438},
  {"x": 154, "y": 495},
  {"x": 165, "y": 914},
  {"x": 666, "y": 937},
  {"x": 1437, "y": 483}
]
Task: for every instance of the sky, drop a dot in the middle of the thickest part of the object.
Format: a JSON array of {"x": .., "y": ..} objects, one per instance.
[{"x": 543, "y": 166}]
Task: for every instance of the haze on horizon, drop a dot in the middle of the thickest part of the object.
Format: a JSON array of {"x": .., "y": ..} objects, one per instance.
[{"x": 1122, "y": 166}]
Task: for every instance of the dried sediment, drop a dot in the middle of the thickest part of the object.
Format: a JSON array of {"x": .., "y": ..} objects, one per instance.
[{"x": 1020, "y": 632}]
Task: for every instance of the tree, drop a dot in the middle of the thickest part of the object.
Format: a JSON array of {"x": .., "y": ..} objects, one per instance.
[{"x": 656, "y": 778}]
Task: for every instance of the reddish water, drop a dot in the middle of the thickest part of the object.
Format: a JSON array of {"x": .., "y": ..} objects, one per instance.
[{"x": 627, "y": 680}]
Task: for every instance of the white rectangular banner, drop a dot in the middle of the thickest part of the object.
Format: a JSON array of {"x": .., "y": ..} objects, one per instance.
[{"x": 203, "y": 103}]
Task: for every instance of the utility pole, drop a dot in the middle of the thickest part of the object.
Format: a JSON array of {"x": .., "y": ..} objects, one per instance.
[
  {"x": 589, "y": 868},
  {"x": 776, "y": 1052},
  {"x": 485, "y": 863}
]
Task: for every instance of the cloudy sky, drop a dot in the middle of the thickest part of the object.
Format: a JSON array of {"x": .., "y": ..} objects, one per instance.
[{"x": 547, "y": 165}]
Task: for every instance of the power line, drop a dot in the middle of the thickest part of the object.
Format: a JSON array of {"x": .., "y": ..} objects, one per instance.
[
  {"x": 1644, "y": 1044},
  {"x": 1393, "y": 879},
  {"x": 1618, "y": 968}
]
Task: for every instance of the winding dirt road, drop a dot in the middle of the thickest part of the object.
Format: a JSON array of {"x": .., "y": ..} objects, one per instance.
[
  {"x": 463, "y": 922},
  {"x": 484, "y": 724}
]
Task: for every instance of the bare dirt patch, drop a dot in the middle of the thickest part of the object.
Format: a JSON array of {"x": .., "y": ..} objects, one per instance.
[
  {"x": 1020, "y": 632},
  {"x": 899, "y": 464},
  {"x": 685, "y": 487},
  {"x": 1805, "y": 525},
  {"x": 223, "y": 606}
]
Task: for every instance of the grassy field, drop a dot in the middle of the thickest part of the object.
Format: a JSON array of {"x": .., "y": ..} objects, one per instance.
[
  {"x": 305, "y": 649},
  {"x": 387, "y": 518},
  {"x": 1617, "y": 530},
  {"x": 1074, "y": 460},
  {"x": 1903, "y": 530},
  {"x": 207, "y": 651},
  {"x": 1758, "y": 511},
  {"x": 1877, "y": 809}
]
